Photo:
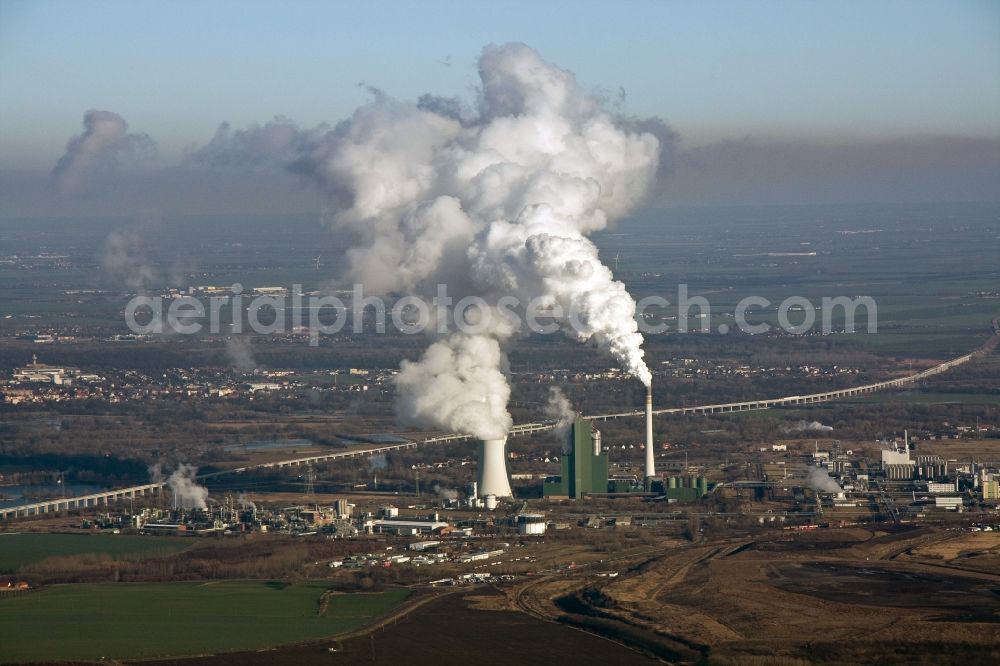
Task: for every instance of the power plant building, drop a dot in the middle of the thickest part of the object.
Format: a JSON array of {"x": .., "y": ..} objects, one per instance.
[
  {"x": 584, "y": 467},
  {"x": 685, "y": 488}
]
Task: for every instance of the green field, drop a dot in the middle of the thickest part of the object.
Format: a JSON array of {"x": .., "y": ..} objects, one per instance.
[
  {"x": 19, "y": 549},
  {"x": 130, "y": 620}
]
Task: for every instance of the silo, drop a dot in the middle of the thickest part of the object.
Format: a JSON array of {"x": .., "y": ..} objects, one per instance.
[{"x": 702, "y": 485}]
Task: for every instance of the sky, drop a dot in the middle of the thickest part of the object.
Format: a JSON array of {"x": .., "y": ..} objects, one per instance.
[{"x": 772, "y": 102}]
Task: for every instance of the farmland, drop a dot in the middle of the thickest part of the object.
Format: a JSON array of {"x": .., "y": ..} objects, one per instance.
[
  {"x": 88, "y": 621},
  {"x": 20, "y": 549}
]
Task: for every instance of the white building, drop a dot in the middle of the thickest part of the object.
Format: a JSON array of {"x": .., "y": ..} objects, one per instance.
[
  {"x": 476, "y": 557},
  {"x": 949, "y": 503},
  {"x": 403, "y": 527},
  {"x": 894, "y": 457},
  {"x": 41, "y": 373}
]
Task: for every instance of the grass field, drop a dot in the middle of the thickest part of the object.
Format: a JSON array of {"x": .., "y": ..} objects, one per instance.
[
  {"x": 19, "y": 549},
  {"x": 130, "y": 620}
]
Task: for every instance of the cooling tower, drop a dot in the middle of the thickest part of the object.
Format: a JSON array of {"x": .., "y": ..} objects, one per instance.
[
  {"x": 492, "y": 478},
  {"x": 650, "y": 453}
]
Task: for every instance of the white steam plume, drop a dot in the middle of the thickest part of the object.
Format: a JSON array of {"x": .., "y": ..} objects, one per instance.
[
  {"x": 495, "y": 202},
  {"x": 458, "y": 385},
  {"x": 186, "y": 491},
  {"x": 445, "y": 493},
  {"x": 819, "y": 480},
  {"x": 559, "y": 409},
  {"x": 808, "y": 426},
  {"x": 123, "y": 259}
]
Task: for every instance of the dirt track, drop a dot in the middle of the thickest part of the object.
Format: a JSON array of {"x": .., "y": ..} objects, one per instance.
[{"x": 887, "y": 594}]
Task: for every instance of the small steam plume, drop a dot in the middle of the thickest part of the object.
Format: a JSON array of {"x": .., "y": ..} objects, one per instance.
[
  {"x": 123, "y": 257},
  {"x": 124, "y": 260},
  {"x": 244, "y": 503},
  {"x": 377, "y": 461},
  {"x": 239, "y": 352},
  {"x": 561, "y": 411},
  {"x": 446, "y": 493},
  {"x": 104, "y": 143},
  {"x": 186, "y": 491},
  {"x": 498, "y": 202},
  {"x": 820, "y": 481},
  {"x": 809, "y": 426}
]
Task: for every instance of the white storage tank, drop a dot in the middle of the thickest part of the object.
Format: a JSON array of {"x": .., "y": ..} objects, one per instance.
[
  {"x": 531, "y": 524},
  {"x": 491, "y": 502}
]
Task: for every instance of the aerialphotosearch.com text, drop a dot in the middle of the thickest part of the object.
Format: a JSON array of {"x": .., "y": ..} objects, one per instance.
[{"x": 236, "y": 312}]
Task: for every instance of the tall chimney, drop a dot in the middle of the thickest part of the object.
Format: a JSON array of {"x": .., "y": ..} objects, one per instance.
[{"x": 650, "y": 453}]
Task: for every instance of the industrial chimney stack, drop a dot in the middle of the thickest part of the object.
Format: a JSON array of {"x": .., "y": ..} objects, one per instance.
[{"x": 650, "y": 453}]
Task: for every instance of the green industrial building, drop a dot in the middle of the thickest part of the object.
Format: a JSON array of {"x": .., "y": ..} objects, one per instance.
[
  {"x": 584, "y": 468},
  {"x": 684, "y": 488},
  {"x": 585, "y": 472}
]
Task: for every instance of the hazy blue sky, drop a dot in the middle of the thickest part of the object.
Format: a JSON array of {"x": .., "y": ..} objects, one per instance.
[{"x": 772, "y": 71}]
